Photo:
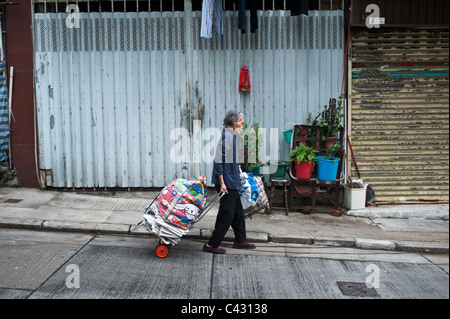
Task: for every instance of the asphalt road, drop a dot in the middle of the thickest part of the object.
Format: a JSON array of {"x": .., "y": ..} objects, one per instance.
[{"x": 58, "y": 265}]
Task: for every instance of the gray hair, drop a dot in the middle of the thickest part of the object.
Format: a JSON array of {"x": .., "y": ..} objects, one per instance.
[{"x": 232, "y": 117}]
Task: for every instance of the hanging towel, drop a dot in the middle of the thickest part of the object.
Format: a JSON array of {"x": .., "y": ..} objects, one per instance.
[
  {"x": 302, "y": 6},
  {"x": 209, "y": 8}
]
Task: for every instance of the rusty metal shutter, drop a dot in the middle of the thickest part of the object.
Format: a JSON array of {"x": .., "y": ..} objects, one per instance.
[{"x": 400, "y": 112}]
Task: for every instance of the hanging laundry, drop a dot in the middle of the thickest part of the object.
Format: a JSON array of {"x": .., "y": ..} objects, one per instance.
[
  {"x": 209, "y": 8},
  {"x": 4, "y": 116},
  {"x": 302, "y": 6},
  {"x": 243, "y": 15}
]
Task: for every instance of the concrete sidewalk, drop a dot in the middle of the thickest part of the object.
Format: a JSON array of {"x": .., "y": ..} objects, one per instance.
[{"x": 418, "y": 228}]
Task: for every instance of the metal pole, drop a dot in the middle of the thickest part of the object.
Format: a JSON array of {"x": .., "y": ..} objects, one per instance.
[
  {"x": 10, "y": 113},
  {"x": 11, "y": 82}
]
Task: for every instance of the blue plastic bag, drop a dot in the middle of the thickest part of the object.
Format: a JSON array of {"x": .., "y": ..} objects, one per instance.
[{"x": 249, "y": 191}]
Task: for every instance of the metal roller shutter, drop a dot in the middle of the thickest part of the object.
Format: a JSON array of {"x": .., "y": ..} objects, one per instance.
[
  {"x": 400, "y": 112},
  {"x": 136, "y": 99}
]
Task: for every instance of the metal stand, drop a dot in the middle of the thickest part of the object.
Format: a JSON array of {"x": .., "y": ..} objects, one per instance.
[{"x": 315, "y": 193}]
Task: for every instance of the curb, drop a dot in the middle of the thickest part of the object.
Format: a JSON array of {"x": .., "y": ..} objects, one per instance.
[
  {"x": 376, "y": 244},
  {"x": 196, "y": 233},
  {"x": 84, "y": 227}
]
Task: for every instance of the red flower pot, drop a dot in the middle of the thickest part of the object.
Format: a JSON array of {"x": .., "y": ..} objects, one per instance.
[{"x": 303, "y": 170}]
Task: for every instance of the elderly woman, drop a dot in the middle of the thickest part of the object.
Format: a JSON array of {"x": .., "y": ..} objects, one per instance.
[{"x": 226, "y": 178}]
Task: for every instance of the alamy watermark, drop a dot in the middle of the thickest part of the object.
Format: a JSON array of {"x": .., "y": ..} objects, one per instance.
[
  {"x": 373, "y": 20},
  {"x": 73, "y": 19},
  {"x": 373, "y": 279},
  {"x": 73, "y": 279},
  {"x": 206, "y": 145}
]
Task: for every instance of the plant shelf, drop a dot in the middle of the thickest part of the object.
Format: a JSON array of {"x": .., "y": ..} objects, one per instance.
[{"x": 321, "y": 195}]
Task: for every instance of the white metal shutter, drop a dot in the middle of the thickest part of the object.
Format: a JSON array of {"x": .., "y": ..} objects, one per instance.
[{"x": 111, "y": 94}]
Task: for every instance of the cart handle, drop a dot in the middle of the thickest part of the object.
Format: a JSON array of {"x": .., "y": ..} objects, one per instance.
[{"x": 209, "y": 206}]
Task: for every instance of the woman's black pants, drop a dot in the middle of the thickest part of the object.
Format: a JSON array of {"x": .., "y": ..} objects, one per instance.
[{"x": 230, "y": 214}]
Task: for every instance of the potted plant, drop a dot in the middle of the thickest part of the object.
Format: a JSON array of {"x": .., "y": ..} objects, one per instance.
[
  {"x": 252, "y": 142},
  {"x": 327, "y": 166},
  {"x": 330, "y": 121},
  {"x": 302, "y": 132},
  {"x": 304, "y": 158}
]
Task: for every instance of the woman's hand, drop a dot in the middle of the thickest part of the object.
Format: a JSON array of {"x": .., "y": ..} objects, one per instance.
[{"x": 223, "y": 188}]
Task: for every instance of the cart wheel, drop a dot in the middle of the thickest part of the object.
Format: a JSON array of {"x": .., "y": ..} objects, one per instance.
[{"x": 162, "y": 250}]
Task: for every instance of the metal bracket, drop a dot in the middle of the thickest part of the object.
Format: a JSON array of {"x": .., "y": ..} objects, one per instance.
[{"x": 46, "y": 177}]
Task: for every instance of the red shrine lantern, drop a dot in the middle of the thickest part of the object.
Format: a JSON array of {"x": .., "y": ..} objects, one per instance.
[{"x": 244, "y": 80}]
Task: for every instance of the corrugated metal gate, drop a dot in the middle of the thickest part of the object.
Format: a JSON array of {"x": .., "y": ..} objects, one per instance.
[
  {"x": 400, "y": 112},
  {"x": 115, "y": 96}
]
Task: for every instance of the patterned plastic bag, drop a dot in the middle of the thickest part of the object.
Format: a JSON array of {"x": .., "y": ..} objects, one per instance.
[
  {"x": 261, "y": 203},
  {"x": 182, "y": 201}
]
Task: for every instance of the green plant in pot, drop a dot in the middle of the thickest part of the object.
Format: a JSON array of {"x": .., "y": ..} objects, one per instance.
[
  {"x": 253, "y": 139},
  {"x": 304, "y": 157},
  {"x": 333, "y": 151},
  {"x": 327, "y": 166},
  {"x": 331, "y": 121}
]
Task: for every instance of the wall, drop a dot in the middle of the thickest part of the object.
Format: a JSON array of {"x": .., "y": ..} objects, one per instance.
[
  {"x": 404, "y": 12},
  {"x": 20, "y": 55},
  {"x": 111, "y": 94}
]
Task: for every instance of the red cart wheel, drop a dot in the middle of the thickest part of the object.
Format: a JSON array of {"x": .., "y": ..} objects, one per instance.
[{"x": 162, "y": 250}]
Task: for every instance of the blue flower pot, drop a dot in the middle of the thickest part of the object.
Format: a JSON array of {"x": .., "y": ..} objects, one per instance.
[
  {"x": 287, "y": 136},
  {"x": 327, "y": 168}
]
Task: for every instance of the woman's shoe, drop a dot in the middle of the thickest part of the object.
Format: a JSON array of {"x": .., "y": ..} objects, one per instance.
[
  {"x": 213, "y": 250},
  {"x": 244, "y": 245}
]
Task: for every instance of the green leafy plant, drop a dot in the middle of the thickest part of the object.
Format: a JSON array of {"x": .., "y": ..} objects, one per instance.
[
  {"x": 330, "y": 120},
  {"x": 253, "y": 139},
  {"x": 303, "y": 153},
  {"x": 333, "y": 150}
]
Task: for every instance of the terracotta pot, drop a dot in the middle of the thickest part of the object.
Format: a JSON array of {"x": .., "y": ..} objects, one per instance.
[
  {"x": 303, "y": 132},
  {"x": 331, "y": 141}
]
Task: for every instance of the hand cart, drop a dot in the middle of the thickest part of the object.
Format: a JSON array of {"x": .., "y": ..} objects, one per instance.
[{"x": 168, "y": 234}]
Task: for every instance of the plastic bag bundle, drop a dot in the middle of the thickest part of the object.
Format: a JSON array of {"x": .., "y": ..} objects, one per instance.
[
  {"x": 261, "y": 203},
  {"x": 182, "y": 201},
  {"x": 249, "y": 191}
]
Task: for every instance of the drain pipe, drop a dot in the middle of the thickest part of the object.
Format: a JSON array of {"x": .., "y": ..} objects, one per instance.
[
  {"x": 10, "y": 112},
  {"x": 36, "y": 157}
]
